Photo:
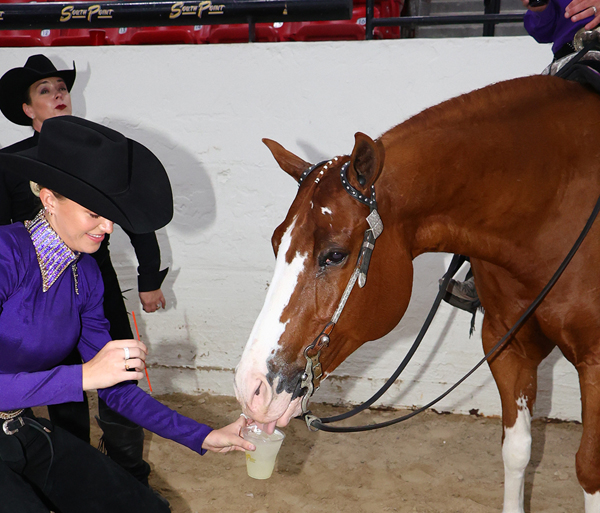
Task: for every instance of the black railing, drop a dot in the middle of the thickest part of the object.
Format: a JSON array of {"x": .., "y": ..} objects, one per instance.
[
  {"x": 489, "y": 19},
  {"x": 78, "y": 15},
  {"x": 98, "y": 15}
]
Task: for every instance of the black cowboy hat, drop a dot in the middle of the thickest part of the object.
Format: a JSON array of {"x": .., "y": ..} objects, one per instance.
[
  {"x": 99, "y": 168},
  {"x": 15, "y": 83}
]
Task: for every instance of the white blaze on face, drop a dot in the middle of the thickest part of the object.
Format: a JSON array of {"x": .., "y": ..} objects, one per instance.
[
  {"x": 325, "y": 210},
  {"x": 268, "y": 327}
]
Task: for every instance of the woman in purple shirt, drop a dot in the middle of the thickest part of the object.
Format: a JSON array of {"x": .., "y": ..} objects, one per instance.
[
  {"x": 51, "y": 302},
  {"x": 558, "y": 20}
]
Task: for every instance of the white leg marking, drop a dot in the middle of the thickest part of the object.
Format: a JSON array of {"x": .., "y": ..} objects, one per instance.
[
  {"x": 516, "y": 451},
  {"x": 592, "y": 502},
  {"x": 268, "y": 326}
]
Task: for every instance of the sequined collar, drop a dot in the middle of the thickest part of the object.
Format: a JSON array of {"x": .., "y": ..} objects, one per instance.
[{"x": 53, "y": 255}]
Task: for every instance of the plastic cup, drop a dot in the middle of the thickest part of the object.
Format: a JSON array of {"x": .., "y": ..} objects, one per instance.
[{"x": 261, "y": 462}]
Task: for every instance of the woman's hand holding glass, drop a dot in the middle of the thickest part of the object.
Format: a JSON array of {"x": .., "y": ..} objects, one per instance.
[
  {"x": 228, "y": 438},
  {"x": 117, "y": 361}
]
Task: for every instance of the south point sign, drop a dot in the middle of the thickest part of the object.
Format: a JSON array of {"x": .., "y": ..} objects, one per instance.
[
  {"x": 100, "y": 14},
  {"x": 90, "y": 13},
  {"x": 206, "y": 7}
]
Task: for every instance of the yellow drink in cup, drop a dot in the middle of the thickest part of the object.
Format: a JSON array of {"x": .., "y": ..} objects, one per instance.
[{"x": 261, "y": 462}]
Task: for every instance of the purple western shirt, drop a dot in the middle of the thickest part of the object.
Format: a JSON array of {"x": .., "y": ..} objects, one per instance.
[
  {"x": 39, "y": 329},
  {"x": 551, "y": 26}
]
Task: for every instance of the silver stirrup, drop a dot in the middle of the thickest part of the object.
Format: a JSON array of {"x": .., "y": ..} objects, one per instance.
[{"x": 585, "y": 36}]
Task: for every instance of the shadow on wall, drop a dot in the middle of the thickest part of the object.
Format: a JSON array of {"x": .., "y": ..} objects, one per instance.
[
  {"x": 401, "y": 338},
  {"x": 312, "y": 154},
  {"x": 193, "y": 196}
]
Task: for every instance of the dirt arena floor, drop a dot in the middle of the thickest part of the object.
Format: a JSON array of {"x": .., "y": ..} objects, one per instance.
[{"x": 432, "y": 463}]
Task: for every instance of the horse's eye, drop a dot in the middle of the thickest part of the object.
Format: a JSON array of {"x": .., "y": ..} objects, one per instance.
[{"x": 332, "y": 258}]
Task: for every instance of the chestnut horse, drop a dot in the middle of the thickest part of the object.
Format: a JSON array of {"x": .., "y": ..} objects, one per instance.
[{"x": 506, "y": 175}]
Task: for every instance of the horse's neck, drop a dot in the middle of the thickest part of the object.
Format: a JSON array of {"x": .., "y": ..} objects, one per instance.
[{"x": 466, "y": 179}]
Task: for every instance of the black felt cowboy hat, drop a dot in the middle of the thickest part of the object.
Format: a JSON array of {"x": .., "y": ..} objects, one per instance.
[
  {"x": 99, "y": 168},
  {"x": 15, "y": 83}
]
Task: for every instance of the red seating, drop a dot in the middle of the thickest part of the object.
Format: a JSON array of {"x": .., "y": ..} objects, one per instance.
[
  {"x": 343, "y": 30},
  {"x": 387, "y": 9},
  {"x": 163, "y": 36},
  {"x": 334, "y": 30},
  {"x": 201, "y": 33},
  {"x": 239, "y": 33},
  {"x": 14, "y": 38},
  {"x": 82, "y": 37}
]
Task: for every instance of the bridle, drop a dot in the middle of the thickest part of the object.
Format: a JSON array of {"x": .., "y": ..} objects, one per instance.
[
  {"x": 313, "y": 372},
  {"x": 311, "y": 378}
]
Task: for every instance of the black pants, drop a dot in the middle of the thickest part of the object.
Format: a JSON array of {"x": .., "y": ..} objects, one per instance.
[{"x": 77, "y": 478}]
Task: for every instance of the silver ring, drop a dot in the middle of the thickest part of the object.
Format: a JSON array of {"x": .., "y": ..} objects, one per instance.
[
  {"x": 126, "y": 349},
  {"x": 595, "y": 10}
]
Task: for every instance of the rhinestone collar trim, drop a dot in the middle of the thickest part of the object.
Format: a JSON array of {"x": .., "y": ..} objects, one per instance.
[{"x": 53, "y": 255}]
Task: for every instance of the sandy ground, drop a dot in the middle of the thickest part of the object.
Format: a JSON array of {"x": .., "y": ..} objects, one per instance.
[{"x": 431, "y": 463}]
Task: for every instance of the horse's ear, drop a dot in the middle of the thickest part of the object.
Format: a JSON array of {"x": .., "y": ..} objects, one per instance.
[
  {"x": 290, "y": 163},
  {"x": 366, "y": 162}
]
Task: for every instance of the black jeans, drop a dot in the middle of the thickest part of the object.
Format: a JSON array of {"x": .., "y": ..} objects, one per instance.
[{"x": 77, "y": 478}]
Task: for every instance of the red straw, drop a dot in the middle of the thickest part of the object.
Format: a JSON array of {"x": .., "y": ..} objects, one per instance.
[{"x": 138, "y": 337}]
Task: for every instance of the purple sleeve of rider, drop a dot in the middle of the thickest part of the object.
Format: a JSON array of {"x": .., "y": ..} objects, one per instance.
[
  {"x": 542, "y": 25},
  {"x": 131, "y": 401},
  {"x": 136, "y": 405}
]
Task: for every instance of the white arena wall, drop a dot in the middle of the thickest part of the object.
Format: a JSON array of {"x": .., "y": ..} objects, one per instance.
[{"x": 203, "y": 110}]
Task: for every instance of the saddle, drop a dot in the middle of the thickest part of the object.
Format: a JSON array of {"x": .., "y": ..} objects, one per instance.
[{"x": 582, "y": 66}]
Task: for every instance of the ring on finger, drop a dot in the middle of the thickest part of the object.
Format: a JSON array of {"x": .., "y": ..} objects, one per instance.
[
  {"x": 127, "y": 366},
  {"x": 595, "y": 10},
  {"x": 126, "y": 349}
]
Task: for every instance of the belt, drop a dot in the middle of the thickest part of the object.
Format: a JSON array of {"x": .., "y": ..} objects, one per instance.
[
  {"x": 14, "y": 420},
  {"x": 12, "y": 426},
  {"x": 10, "y": 414}
]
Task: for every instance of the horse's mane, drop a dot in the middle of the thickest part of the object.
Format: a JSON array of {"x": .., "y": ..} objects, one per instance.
[{"x": 490, "y": 102}]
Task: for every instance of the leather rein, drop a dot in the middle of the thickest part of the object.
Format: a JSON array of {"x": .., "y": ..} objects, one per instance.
[{"x": 311, "y": 379}]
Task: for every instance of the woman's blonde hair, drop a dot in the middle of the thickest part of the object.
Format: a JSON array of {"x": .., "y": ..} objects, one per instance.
[{"x": 36, "y": 188}]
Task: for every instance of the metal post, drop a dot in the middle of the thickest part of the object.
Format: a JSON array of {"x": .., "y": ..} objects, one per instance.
[
  {"x": 369, "y": 17},
  {"x": 251, "y": 30},
  {"x": 490, "y": 7}
]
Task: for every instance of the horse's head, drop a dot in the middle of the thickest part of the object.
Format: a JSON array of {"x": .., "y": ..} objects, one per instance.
[{"x": 317, "y": 248}]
